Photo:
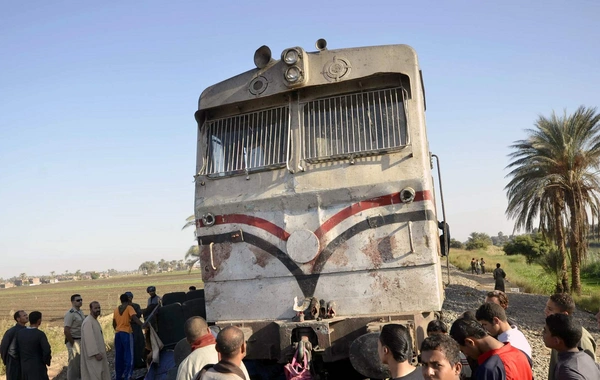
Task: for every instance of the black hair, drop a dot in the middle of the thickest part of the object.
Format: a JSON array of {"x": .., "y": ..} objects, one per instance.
[
  {"x": 444, "y": 344},
  {"x": 497, "y": 265},
  {"x": 488, "y": 311},
  {"x": 124, "y": 298},
  {"x": 75, "y": 296},
  {"x": 17, "y": 315},
  {"x": 192, "y": 288},
  {"x": 469, "y": 314},
  {"x": 397, "y": 338},
  {"x": 464, "y": 328},
  {"x": 564, "y": 301},
  {"x": 436, "y": 326},
  {"x": 229, "y": 340},
  {"x": 34, "y": 317},
  {"x": 565, "y": 327}
]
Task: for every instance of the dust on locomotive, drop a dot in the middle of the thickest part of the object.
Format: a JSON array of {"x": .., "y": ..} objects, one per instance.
[{"x": 314, "y": 206}]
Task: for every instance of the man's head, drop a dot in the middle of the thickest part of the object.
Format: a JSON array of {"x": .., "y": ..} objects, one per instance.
[
  {"x": 95, "y": 309},
  {"x": 130, "y": 296},
  {"x": 440, "y": 358},
  {"x": 21, "y": 317},
  {"x": 194, "y": 328},
  {"x": 499, "y": 297},
  {"x": 394, "y": 344},
  {"x": 467, "y": 333},
  {"x": 123, "y": 298},
  {"x": 436, "y": 327},
  {"x": 497, "y": 265},
  {"x": 559, "y": 303},
  {"x": 35, "y": 318},
  {"x": 76, "y": 301},
  {"x": 151, "y": 290},
  {"x": 192, "y": 288},
  {"x": 230, "y": 343},
  {"x": 491, "y": 316},
  {"x": 561, "y": 332}
]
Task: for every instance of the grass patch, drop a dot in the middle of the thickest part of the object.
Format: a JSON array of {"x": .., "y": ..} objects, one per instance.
[{"x": 531, "y": 278}]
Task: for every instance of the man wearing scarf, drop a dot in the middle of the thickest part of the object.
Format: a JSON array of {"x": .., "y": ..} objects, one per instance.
[
  {"x": 202, "y": 343},
  {"x": 232, "y": 349}
]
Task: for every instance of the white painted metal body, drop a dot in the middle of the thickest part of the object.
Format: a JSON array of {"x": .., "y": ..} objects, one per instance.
[{"x": 334, "y": 229}]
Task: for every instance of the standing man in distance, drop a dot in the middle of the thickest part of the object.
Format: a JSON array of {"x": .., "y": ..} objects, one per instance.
[
  {"x": 8, "y": 346},
  {"x": 122, "y": 318},
  {"x": 73, "y": 320},
  {"x": 34, "y": 350},
  {"x": 154, "y": 299},
  {"x": 562, "y": 333},
  {"x": 94, "y": 362},
  {"x": 499, "y": 276},
  {"x": 440, "y": 358},
  {"x": 562, "y": 303}
]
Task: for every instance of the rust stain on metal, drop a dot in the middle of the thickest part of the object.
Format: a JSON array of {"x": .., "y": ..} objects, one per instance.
[
  {"x": 386, "y": 247},
  {"x": 220, "y": 254},
  {"x": 339, "y": 257},
  {"x": 262, "y": 257},
  {"x": 371, "y": 250}
]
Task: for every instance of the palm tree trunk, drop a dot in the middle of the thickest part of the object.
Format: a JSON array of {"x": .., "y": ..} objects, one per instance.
[
  {"x": 559, "y": 234},
  {"x": 575, "y": 242}
]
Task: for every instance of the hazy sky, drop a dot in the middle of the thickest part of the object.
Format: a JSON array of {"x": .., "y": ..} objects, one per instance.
[{"x": 97, "y": 135}]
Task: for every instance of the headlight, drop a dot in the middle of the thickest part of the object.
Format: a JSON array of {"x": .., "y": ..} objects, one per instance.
[
  {"x": 292, "y": 74},
  {"x": 291, "y": 56}
]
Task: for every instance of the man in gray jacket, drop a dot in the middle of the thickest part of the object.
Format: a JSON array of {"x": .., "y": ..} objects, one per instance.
[{"x": 562, "y": 333}]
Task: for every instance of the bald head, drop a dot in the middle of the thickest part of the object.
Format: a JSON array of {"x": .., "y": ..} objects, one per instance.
[
  {"x": 230, "y": 341},
  {"x": 194, "y": 328}
]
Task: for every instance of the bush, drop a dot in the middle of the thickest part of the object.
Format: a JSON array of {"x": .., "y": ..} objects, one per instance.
[
  {"x": 531, "y": 246},
  {"x": 456, "y": 244},
  {"x": 478, "y": 240}
]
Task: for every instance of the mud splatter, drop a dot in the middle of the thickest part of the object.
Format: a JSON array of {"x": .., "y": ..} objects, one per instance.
[{"x": 262, "y": 257}]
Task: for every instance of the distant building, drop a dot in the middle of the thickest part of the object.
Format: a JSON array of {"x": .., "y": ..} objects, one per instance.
[
  {"x": 7, "y": 285},
  {"x": 34, "y": 281}
]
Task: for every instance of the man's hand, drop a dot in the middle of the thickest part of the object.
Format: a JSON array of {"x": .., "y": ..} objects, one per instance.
[
  {"x": 98, "y": 357},
  {"x": 68, "y": 337}
]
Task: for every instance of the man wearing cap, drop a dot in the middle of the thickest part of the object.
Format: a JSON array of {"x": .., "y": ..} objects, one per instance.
[
  {"x": 154, "y": 298},
  {"x": 72, "y": 329},
  {"x": 138, "y": 336}
]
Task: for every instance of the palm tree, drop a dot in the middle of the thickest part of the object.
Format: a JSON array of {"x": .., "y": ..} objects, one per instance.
[
  {"x": 554, "y": 178},
  {"x": 193, "y": 253}
]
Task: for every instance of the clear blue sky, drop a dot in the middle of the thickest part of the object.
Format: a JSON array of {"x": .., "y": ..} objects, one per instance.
[{"x": 97, "y": 135}]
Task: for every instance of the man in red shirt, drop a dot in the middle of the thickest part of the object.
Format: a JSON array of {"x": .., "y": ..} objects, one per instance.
[{"x": 497, "y": 360}]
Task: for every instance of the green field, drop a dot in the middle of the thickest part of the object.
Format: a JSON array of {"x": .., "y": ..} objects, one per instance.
[{"x": 53, "y": 300}]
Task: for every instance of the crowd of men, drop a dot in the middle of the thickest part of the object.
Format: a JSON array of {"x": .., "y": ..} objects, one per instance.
[
  {"x": 480, "y": 344},
  {"x": 26, "y": 352},
  {"x": 485, "y": 344}
]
